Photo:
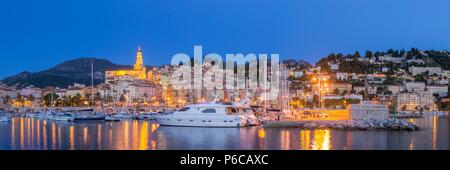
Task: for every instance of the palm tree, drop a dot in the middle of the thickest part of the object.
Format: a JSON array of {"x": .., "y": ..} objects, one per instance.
[
  {"x": 65, "y": 101},
  {"x": 336, "y": 91},
  {"x": 20, "y": 100},
  {"x": 77, "y": 99},
  {"x": 109, "y": 99},
  {"x": 97, "y": 96},
  {"x": 6, "y": 100},
  {"x": 122, "y": 98},
  {"x": 31, "y": 98},
  {"x": 50, "y": 98}
]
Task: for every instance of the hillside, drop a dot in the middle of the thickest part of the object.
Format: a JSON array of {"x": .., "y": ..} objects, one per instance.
[{"x": 65, "y": 74}]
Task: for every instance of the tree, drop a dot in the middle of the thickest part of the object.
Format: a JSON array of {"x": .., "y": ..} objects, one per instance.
[
  {"x": 122, "y": 98},
  {"x": 31, "y": 98},
  {"x": 362, "y": 93},
  {"x": 50, "y": 99},
  {"x": 419, "y": 78},
  {"x": 344, "y": 92},
  {"x": 390, "y": 80},
  {"x": 65, "y": 101},
  {"x": 357, "y": 55},
  {"x": 20, "y": 99},
  {"x": 448, "y": 93},
  {"x": 380, "y": 90},
  {"x": 109, "y": 99},
  {"x": 145, "y": 97},
  {"x": 403, "y": 108},
  {"x": 97, "y": 96},
  {"x": 316, "y": 100},
  {"x": 390, "y": 51},
  {"x": 369, "y": 54},
  {"x": 388, "y": 92},
  {"x": 75, "y": 100},
  {"x": 6, "y": 100},
  {"x": 336, "y": 91},
  {"x": 87, "y": 96}
]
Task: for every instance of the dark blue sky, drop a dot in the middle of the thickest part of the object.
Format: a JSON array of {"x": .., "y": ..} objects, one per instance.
[{"x": 35, "y": 35}]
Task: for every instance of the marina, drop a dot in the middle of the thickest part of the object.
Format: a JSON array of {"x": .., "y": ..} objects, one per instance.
[{"x": 23, "y": 133}]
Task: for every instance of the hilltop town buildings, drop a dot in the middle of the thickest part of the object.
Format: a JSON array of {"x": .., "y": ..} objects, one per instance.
[
  {"x": 132, "y": 85},
  {"x": 397, "y": 88}
]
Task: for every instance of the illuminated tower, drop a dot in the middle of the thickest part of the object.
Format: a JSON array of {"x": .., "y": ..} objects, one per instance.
[
  {"x": 139, "y": 63},
  {"x": 139, "y": 67}
]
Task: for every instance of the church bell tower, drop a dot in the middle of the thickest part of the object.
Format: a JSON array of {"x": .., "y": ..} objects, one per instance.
[{"x": 139, "y": 65}]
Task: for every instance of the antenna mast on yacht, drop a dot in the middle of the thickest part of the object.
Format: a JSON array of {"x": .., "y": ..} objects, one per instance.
[{"x": 215, "y": 99}]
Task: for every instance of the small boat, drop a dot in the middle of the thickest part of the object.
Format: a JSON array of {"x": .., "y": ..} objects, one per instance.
[
  {"x": 88, "y": 115},
  {"x": 5, "y": 119},
  {"x": 137, "y": 117},
  {"x": 252, "y": 120},
  {"x": 40, "y": 116},
  {"x": 66, "y": 117},
  {"x": 32, "y": 115},
  {"x": 123, "y": 115},
  {"x": 112, "y": 119},
  {"x": 148, "y": 116}
]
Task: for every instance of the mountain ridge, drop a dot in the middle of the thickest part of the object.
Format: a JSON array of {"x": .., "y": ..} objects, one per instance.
[{"x": 65, "y": 74}]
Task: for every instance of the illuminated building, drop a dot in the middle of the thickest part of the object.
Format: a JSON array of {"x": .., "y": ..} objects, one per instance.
[
  {"x": 139, "y": 71},
  {"x": 420, "y": 70},
  {"x": 133, "y": 85},
  {"x": 367, "y": 110},
  {"x": 415, "y": 101}
]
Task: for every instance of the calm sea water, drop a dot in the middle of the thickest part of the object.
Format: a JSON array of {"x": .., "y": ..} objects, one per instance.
[{"x": 34, "y": 134}]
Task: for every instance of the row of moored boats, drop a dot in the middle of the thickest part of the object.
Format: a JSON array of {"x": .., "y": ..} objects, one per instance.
[{"x": 196, "y": 115}]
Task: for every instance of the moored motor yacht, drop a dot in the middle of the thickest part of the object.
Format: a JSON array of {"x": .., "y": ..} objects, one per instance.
[{"x": 206, "y": 115}]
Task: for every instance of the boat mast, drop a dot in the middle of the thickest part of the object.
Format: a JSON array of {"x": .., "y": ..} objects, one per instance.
[
  {"x": 92, "y": 83},
  {"x": 52, "y": 103}
]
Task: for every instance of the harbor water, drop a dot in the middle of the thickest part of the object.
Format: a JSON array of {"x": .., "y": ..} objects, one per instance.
[{"x": 37, "y": 134}]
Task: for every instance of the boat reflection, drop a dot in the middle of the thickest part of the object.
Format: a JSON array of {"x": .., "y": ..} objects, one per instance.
[{"x": 36, "y": 134}]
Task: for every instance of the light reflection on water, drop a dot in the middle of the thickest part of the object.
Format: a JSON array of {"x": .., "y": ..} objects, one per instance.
[{"x": 35, "y": 134}]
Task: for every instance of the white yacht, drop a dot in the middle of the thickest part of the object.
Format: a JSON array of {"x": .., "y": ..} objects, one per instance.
[{"x": 206, "y": 115}]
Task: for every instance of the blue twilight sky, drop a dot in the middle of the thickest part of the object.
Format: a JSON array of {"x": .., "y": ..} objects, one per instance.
[{"x": 35, "y": 35}]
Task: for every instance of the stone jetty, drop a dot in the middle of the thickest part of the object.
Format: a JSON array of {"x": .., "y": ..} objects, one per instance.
[{"x": 385, "y": 124}]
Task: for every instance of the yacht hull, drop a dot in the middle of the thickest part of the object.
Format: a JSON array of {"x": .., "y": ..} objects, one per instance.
[{"x": 200, "y": 121}]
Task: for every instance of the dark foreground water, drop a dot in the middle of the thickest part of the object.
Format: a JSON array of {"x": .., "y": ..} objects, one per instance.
[{"x": 34, "y": 134}]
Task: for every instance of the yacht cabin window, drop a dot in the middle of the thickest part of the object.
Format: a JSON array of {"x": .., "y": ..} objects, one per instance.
[
  {"x": 231, "y": 110},
  {"x": 184, "y": 109},
  {"x": 209, "y": 111}
]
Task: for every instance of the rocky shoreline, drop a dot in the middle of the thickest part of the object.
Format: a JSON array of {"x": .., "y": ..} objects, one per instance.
[{"x": 387, "y": 124}]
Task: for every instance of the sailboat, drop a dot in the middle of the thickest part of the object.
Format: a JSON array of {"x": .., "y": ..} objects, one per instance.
[{"x": 89, "y": 114}]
